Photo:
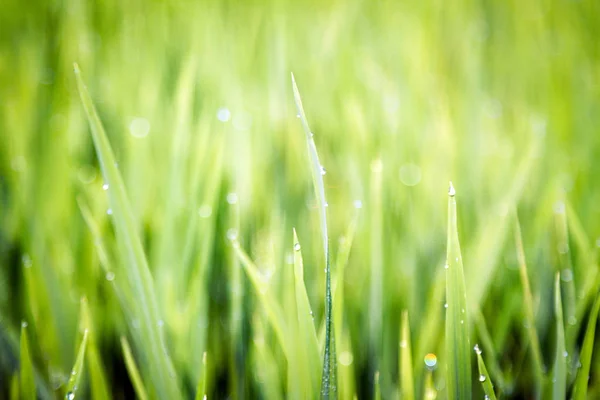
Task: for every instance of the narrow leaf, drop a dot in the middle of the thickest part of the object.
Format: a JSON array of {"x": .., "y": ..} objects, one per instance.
[
  {"x": 133, "y": 371},
  {"x": 583, "y": 375},
  {"x": 76, "y": 372},
  {"x": 407, "y": 388},
  {"x": 27, "y": 390},
  {"x": 559, "y": 379},
  {"x": 484, "y": 377},
  {"x": 202, "y": 382}
]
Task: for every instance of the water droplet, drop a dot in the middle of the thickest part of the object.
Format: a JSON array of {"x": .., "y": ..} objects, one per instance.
[
  {"x": 232, "y": 198},
  {"x": 446, "y": 305},
  {"x": 486, "y": 397},
  {"x": 297, "y": 115},
  {"x": 559, "y": 207},
  {"x": 232, "y": 234},
  {"x": 105, "y": 186},
  {"x": 223, "y": 114},
  {"x": 462, "y": 310},
  {"x": 410, "y": 174},
  {"x": 566, "y": 275},
  {"x": 462, "y": 321},
  {"x": 139, "y": 127},
  {"x": 161, "y": 323},
  {"x": 430, "y": 360},
  {"x": 477, "y": 349},
  {"x": 109, "y": 211},
  {"x": 403, "y": 344},
  {"x": 345, "y": 358},
  {"x": 481, "y": 378},
  {"x": 86, "y": 174},
  {"x": 565, "y": 353},
  {"x": 24, "y": 324},
  {"x": 205, "y": 211},
  {"x": 26, "y": 259},
  {"x": 297, "y": 246},
  {"x": 70, "y": 396},
  {"x": 451, "y": 191},
  {"x": 446, "y": 266},
  {"x": 323, "y": 171},
  {"x": 110, "y": 276},
  {"x": 326, "y": 204},
  {"x": 357, "y": 204}
]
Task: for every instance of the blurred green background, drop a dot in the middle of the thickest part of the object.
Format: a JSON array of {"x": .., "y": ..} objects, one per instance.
[{"x": 501, "y": 97}]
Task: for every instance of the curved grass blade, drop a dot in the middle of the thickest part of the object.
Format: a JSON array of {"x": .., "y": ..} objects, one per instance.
[
  {"x": 407, "y": 385},
  {"x": 458, "y": 360},
  {"x": 133, "y": 371},
  {"x": 27, "y": 380},
  {"x": 484, "y": 377},
  {"x": 488, "y": 346},
  {"x": 96, "y": 371},
  {"x": 583, "y": 375},
  {"x": 202, "y": 382},
  {"x": 144, "y": 307},
  {"x": 76, "y": 372},
  {"x": 328, "y": 379},
  {"x": 307, "y": 336},
  {"x": 559, "y": 379},
  {"x": 538, "y": 366}
]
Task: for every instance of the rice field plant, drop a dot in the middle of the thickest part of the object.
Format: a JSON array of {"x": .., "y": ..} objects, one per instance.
[{"x": 322, "y": 199}]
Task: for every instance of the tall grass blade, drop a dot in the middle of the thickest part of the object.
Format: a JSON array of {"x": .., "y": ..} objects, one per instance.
[
  {"x": 377, "y": 388},
  {"x": 407, "y": 385},
  {"x": 583, "y": 375},
  {"x": 145, "y": 306},
  {"x": 14, "y": 387},
  {"x": 328, "y": 379},
  {"x": 484, "y": 377},
  {"x": 458, "y": 357},
  {"x": 536, "y": 354},
  {"x": 559, "y": 379},
  {"x": 98, "y": 383},
  {"x": 27, "y": 380},
  {"x": 132, "y": 370},
  {"x": 430, "y": 392},
  {"x": 488, "y": 346},
  {"x": 201, "y": 388},
  {"x": 77, "y": 371}
]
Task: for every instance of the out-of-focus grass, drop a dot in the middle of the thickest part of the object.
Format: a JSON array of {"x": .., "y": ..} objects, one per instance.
[{"x": 500, "y": 97}]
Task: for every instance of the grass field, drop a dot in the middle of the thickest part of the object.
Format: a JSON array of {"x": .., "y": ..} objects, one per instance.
[{"x": 182, "y": 218}]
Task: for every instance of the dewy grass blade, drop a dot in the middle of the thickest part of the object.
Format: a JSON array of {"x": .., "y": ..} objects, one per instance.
[
  {"x": 76, "y": 372},
  {"x": 484, "y": 377},
  {"x": 407, "y": 385},
  {"x": 559, "y": 379},
  {"x": 328, "y": 379},
  {"x": 203, "y": 381},
  {"x": 306, "y": 333},
  {"x": 27, "y": 388},
  {"x": 488, "y": 346},
  {"x": 458, "y": 357},
  {"x": 536, "y": 353},
  {"x": 145, "y": 305},
  {"x": 99, "y": 387},
  {"x": 133, "y": 371},
  {"x": 583, "y": 374}
]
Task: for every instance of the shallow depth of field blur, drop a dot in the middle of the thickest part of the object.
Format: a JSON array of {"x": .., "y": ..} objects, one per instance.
[{"x": 500, "y": 97}]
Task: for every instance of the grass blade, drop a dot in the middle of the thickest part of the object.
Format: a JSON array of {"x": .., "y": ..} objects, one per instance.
[
  {"x": 377, "y": 389},
  {"x": 27, "y": 389},
  {"x": 14, "y": 387},
  {"x": 407, "y": 385},
  {"x": 202, "y": 382},
  {"x": 583, "y": 375},
  {"x": 136, "y": 268},
  {"x": 76, "y": 372},
  {"x": 430, "y": 392},
  {"x": 458, "y": 360},
  {"x": 559, "y": 387},
  {"x": 488, "y": 346},
  {"x": 484, "y": 377},
  {"x": 328, "y": 379},
  {"x": 538, "y": 366},
  {"x": 133, "y": 371}
]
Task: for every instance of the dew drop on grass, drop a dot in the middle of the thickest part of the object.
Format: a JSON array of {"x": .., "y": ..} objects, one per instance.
[
  {"x": 70, "y": 396},
  {"x": 105, "y": 186},
  {"x": 109, "y": 211},
  {"x": 24, "y": 324},
  {"x": 430, "y": 360},
  {"x": 403, "y": 344},
  {"x": 345, "y": 358},
  {"x": 323, "y": 171},
  {"x": 446, "y": 305},
  {"x": 297, "y": 246},
  {"x": 477, "y": 349},
  {"x": 139, "y": 127},
  {"x": 481, "y": 378},
  {"x": 232, "y": 234},
  {"x": 110, "y": 276},
  {"x": 410, "y": 174},
  {"x": 161, "y": 323},
  {"x": 205, "y": 211},
  {"x": 232, "y": 198},
  {"x": 462, "y": 321},
  {"x": 357, "y": 204},
  {"x": 566, "y": 275},
  {"x": 451, "y": 191},
  {"x": 565, "y": 353},
  {"x": 326, "y": 204},
  {"x": 446, "y": 266},
  {"x": 223, "y": 114},
  {"x": 26, "y": 259}
]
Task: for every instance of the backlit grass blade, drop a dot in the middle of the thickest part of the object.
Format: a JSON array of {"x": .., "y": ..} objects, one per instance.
[
  {"x": 559, "y": 379},
  {"x": 430, "y": 392},
  {"x": 202, "y": 382},
  {"x": 484, "y": 377},
  {"x": 377, "y": 388},
  {"x": 328, "y": 379},
  {"x": 528, "y": 309},
  {"x": 307, "y": 336},
  {"x": 96, "y": 372},
  {"x": 458, "y": 357},
  {"x": 133, "y": 371},
  {"x": 585, "y": 358},
  {"x": 77, "y": 370},
  {"x": 14, "y": 387},
  {"x": 488, "y": 346},
  {"x": 27, "y": 380},
  {"x": 407, "y": 385},
  {"x": 145, "y": 307}
]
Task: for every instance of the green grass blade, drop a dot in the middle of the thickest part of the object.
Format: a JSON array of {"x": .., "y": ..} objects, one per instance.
[
  {"x": 488, "y": 346},
  {"x": 307, "y": 336},
  {"x": 328, "y": 380},
  {"x": 27, "y": 380},
  {"x": 559, "y": 379},
  {"x": 132, "y": 370},
  {"x": 202, "y": 382},
  {"x": 407, "y": 385},
  {"x": 145, "y": 305},
  {"x": 14, "y": 387},
  {"x": 99, "y": 387},
  {"x": 583, "y": 375},
  {"x": 538, "y": 366},
  {"x": 484, "y": 377},
  {"x": 377, "y": 388},
  {"x": 458, "y": 360},
  {"x": 77, "y": 370},
  {"x": 430, "y": 392}
]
